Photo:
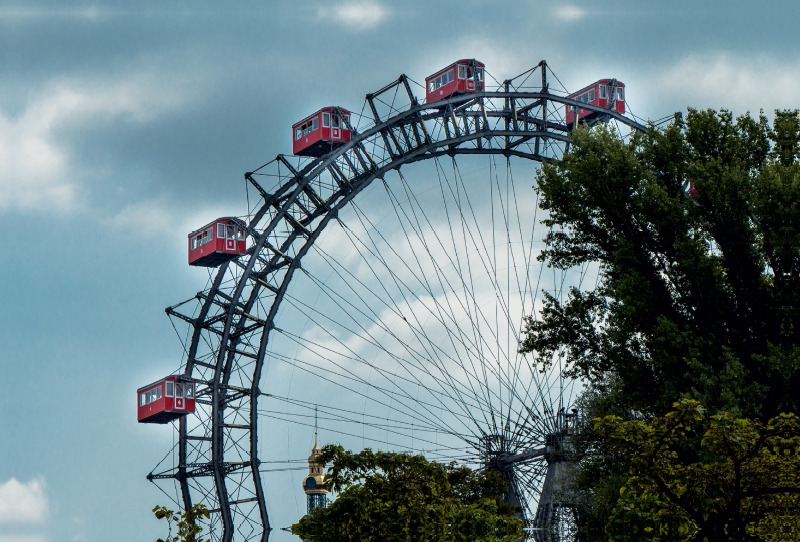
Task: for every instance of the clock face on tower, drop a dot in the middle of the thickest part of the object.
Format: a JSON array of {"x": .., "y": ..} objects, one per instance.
[{"x": 311, "y": 483}]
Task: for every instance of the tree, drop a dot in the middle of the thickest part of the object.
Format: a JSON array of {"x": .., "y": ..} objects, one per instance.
[
  {"x": 186, "y": 523},
  {"x": 398, "y": 497},
  {"x": 696, "y": 297},
  {"x": 741, "y": 483}
]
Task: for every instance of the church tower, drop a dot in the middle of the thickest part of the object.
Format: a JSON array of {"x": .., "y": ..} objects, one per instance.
[{"x": 314, "y": 483}]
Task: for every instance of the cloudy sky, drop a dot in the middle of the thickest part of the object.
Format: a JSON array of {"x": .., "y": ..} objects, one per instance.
[{"x": 122, "y": 128}]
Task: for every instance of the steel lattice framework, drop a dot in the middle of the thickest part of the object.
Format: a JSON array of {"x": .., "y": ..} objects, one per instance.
[{"x": 217, "y": 454}]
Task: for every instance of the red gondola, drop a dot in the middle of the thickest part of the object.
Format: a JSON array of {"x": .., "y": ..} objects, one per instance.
[
  {"x": 217, "y": 242},
  {"x": 607, "y": 93},
  {"x": 461, "y": 77},
  {"x": 165, "y": 400},
  {"x": 322, "y": 132}
]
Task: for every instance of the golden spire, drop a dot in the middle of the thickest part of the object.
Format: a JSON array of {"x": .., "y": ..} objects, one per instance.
[{"x": 314, "y": 483}]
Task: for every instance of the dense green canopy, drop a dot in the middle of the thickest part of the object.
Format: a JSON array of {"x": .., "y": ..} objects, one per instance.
[
  {"x": 697, "y": 297},
  {"x": 391, "y": 497},
  {"x": 742, "y": 485}
]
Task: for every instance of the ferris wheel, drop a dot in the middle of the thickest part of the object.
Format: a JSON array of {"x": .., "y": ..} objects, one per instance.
[{"x": 379, "y": 282}]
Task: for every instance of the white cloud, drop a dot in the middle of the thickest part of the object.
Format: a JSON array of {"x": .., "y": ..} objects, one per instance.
[
  {"x": 22, "y": 538},
  {"x": 31, "y": 174},
  {"x": 712, "y": 80},
  {"x": 569, "y": 13},
  {"x": 716, "y": 80},
  {"x": 359, "y": 14},
  {"x": 36, "y": 170},
  {"x": 147, "y": 218},
  {"x": 23, "y": 503}
]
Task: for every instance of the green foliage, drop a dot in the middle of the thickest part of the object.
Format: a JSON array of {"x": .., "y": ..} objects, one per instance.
[
  {"x": 399, "y": 497},
  {"x": 186, "y": 523},
  {"x": 741, "y": 483},
  {"x": 697, "y": 298}
]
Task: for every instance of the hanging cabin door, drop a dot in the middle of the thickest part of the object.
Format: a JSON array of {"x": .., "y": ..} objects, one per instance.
[
  {"x": 230, "y": 237},
  {"x": 179, "y": 401}
]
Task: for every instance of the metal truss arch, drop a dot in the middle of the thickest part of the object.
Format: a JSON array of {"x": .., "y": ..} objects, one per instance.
[{"x": 226, "y": 352}]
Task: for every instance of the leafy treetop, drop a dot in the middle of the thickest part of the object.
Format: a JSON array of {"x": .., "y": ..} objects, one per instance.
[
  {"x": 696, "y": 297},
  {"x": 743, "y": 485},
  {"x": 398, "y": 497},
  {"x": 187, "y": 523}
]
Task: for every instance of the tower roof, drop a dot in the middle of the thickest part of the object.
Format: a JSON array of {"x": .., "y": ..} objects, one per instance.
[{"x": 314, "y": 483}]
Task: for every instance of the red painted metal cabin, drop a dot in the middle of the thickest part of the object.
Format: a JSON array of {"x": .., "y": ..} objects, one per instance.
[
  {"x": 461, "y": 77},
  {"x": 218, "y": 242},
  {"x": 322, "y": 132},
  {"x": 600, "y": 93},
  {"x": 165, "y": 400}
]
